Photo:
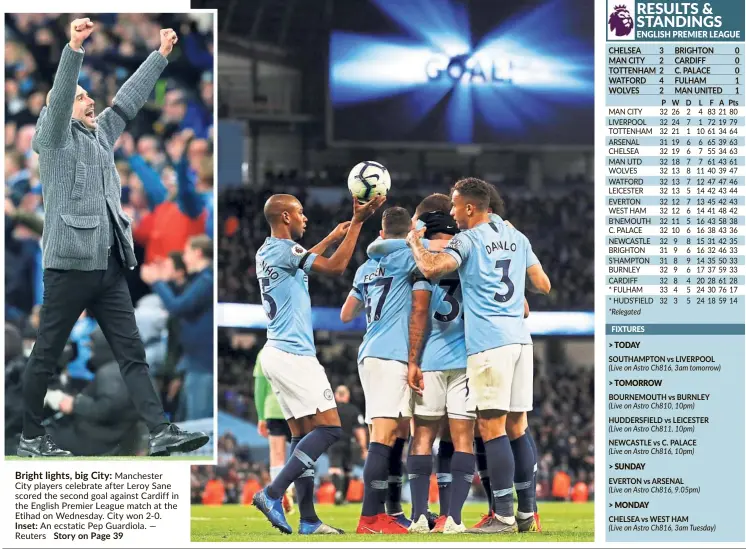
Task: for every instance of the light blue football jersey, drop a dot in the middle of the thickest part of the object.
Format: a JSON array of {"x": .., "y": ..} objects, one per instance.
[
  {"x": 445, "y": 347},
  {"x": 493, "y": 259},
  {"x": 282, "y": 267},
  {"x": 384, "y": 285}
]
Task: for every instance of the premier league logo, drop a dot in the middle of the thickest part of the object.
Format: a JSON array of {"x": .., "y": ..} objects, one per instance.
[{"x": 621, "y": 21}]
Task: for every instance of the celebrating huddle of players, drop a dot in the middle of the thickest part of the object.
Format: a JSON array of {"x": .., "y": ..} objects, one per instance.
[{"x": 446, "y": 336}]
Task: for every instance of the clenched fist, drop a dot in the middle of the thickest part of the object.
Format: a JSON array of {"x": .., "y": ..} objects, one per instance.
[
  {"x": 168, "y": 39},
  {"x": 80, "y": 29}
]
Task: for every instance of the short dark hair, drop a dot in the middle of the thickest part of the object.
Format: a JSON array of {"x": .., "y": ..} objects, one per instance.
[
  {"x": 203, "y": 243},
  {"x": 396, "y": 222},
  {"x": 437, "y": 202},
  {"x": 475, "y": 191},
  {"x": 497, "y": 204},
  {"x": 178, "y": 260}
]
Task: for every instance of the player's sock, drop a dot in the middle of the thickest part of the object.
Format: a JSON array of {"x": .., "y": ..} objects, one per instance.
[
  {"x": 393, "y": 498},
  {"x": 445, "y": 452},
  {"x": 294, "y": 441},
  {"x": 484, "y": 474},
  {"x": 536, "y": 465},
  {"x": 502, "y": 469},
  {"x": 462, "y": 469},
  {"x": 304, "y": 488},
  {"x": 523, "y": 456},
  {"x": 304, "y": 456},
  {"x": 375, "y": 475},
  {"x": 420, "y": 468}
]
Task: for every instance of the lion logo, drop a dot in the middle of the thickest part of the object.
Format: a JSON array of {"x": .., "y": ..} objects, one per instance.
[{"x": 620, "y": 21}]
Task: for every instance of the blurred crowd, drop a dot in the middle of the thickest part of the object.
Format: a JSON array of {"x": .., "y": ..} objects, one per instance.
[
  {"x": 561, "y": 422},
  {"x": 165, "y": 164},
  {"x": 559, "y": 225}
]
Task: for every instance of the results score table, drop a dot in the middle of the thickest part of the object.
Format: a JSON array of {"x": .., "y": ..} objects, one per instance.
[{"x": 675, "y": 281}]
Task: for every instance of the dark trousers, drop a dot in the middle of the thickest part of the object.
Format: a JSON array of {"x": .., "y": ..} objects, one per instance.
[{"x": 106, "y": 294}]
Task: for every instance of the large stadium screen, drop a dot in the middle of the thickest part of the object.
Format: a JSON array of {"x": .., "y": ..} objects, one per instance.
[{"x": 450, "y": 71}]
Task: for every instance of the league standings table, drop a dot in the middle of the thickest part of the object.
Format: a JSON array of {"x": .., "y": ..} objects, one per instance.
[{"x": 675, "y": 270}]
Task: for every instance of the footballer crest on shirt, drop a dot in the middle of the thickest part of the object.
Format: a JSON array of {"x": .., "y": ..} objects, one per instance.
[
  {"x": 328, "y": 394},
  {"x": 298, "y": 250}
]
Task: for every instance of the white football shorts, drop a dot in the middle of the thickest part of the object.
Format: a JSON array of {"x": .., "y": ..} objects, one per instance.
[
  {"x": 446, "y": 391},
  {"x": 299, "y": 382},
  {"x": 502, "y": 378},
  {"x": 387, "y": 393}
]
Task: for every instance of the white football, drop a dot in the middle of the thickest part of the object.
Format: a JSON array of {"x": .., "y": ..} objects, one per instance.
[{"x": 368, "y": 180}]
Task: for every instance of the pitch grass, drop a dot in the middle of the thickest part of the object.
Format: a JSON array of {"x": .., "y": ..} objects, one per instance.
[
  {"x": 566, "y": 522},
  {"x": 186, "y": 457}
]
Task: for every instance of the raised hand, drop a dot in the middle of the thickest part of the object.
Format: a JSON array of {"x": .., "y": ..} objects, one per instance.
[
  {"x": 340, "y": 231},
  {"x": 168, "y": 39},
  {"x": 362, "y": 212},
  {"x": 80, "y": 29}
]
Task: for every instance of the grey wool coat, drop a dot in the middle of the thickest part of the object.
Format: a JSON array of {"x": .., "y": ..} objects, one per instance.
[{"x": 79, "y": 180}]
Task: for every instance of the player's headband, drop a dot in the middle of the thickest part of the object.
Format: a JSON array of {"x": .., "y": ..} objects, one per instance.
[{"x": 438, "y": 222}]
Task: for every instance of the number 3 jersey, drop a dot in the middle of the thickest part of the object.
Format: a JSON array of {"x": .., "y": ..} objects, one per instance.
[
  {"x": 384, "y": 285},
  {"x": 444, "y": 348},
  {"x": 492, "y": 259},
  {"x": 282, "y": 267}
]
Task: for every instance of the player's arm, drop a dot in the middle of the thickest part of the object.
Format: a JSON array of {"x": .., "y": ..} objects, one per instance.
[
  {"x": 354, "y": 302},
  {"x": 351, "y": 308},
  {"x": 337, "y": 263},
  {"x": 381, "y": 247},
  {"x": 418, "y": 324},
  {"x": 538, "y": 279},
  {"x": 431, "y": 265},
  {"x": 418, "y": 331},
  {"x": 135, "y": 91},
  {"x": 332, "y": 238},
  {"x": 525, "y": 308},
  {"x": 384, "y": 246},
  {"x": 436, "y": 245}
]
